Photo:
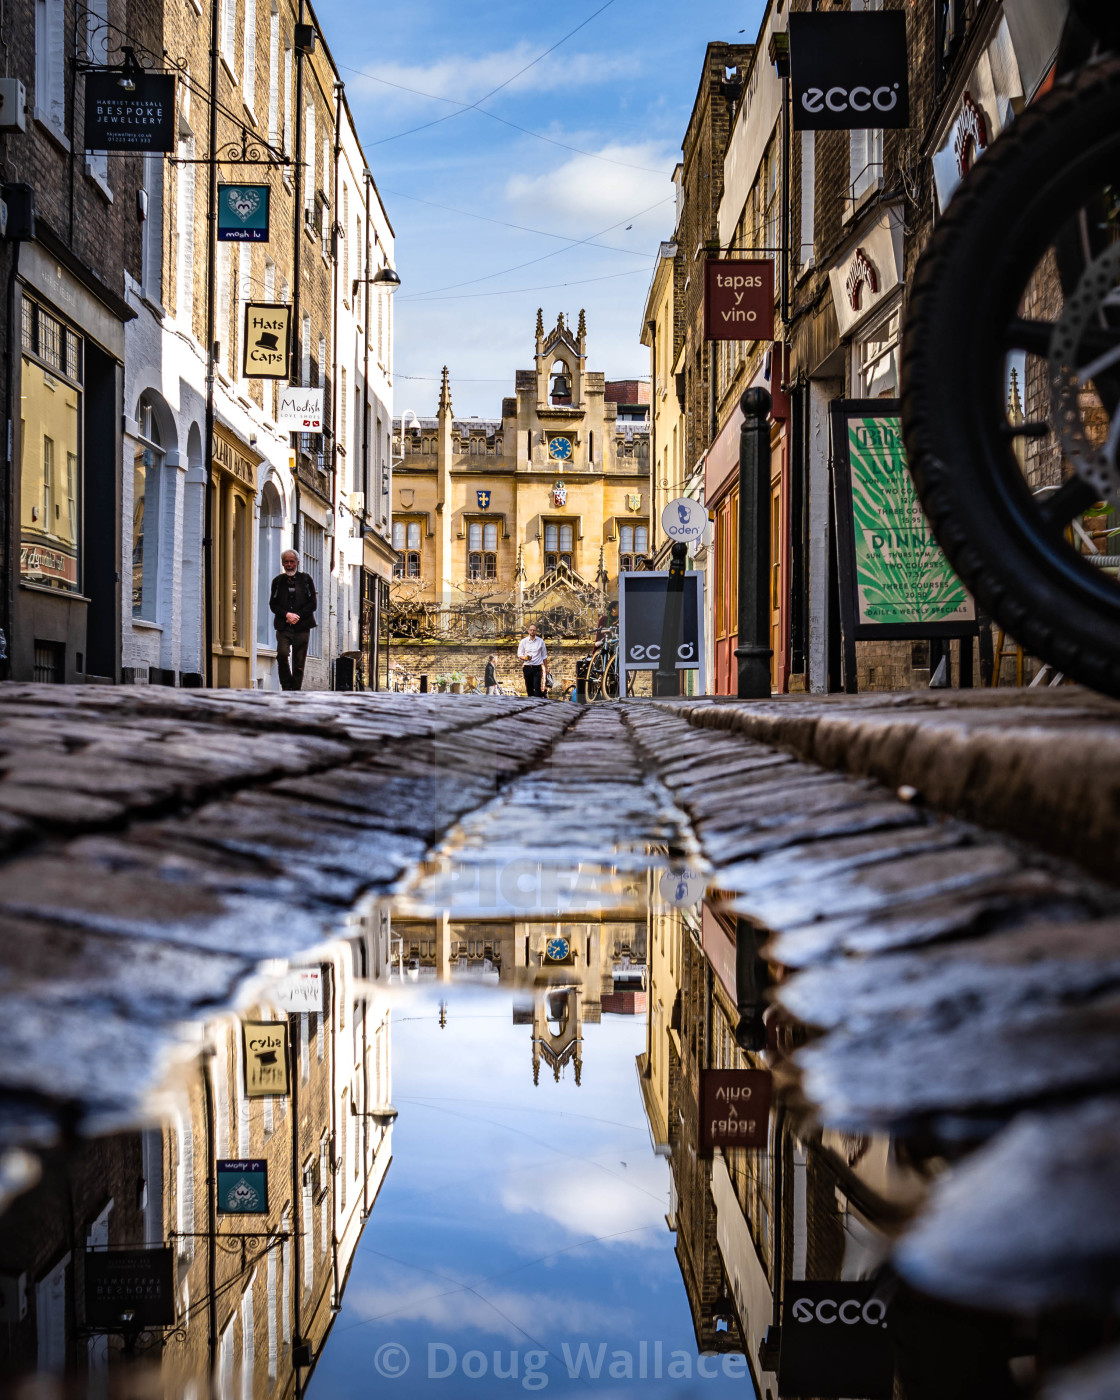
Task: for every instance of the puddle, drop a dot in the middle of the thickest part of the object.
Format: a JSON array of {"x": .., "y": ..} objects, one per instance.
[{"x": 463, "y": 1150}]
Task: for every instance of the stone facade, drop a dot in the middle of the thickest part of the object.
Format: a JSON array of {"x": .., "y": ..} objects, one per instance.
[{"x": 538, "y": 509}]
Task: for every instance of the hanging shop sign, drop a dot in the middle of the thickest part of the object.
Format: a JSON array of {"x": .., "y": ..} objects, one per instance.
[
  {"x": 141, "y": 120},
  {"x": 243, "y": 213},
  {"x": 684, "y": 520},
  {"x": 132, "y": 1286},
  {"x": 300, "y": 989},
  {"x": 894, "y": 579},
  {"x": 739, "y": 299},
  {"x": 835, "y": 1341},
  {"x": 266, "y": 1059},
  {"x": 242, "y": 1186},
  {"x": 682, "y": 889},
  {"x": 300, "y": 411},
  {"x": 849, "y": 70},
  {"x": 641, "y": 611},
  {"x": 268, "y": 340},
  {"x": 734, "y": 1108}
]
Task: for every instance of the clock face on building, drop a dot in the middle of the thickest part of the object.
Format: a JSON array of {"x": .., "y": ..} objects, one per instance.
[
  {"x": 560, "y": 448},
  {"x": 557, "y": 949}
]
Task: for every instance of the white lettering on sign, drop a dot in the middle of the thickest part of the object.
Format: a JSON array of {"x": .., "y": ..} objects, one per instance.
[
  {"x": 839, "y": 99},
  {"x": 828, "y": 1311}
]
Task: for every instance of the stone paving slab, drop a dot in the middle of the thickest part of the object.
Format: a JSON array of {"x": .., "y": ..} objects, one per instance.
[
  {"x": 176, "y": 839},
  {"x": 1042, "y": 765}
]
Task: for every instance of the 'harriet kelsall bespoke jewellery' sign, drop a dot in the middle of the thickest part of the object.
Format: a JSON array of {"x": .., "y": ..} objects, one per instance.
[
  {"x": 142, "y": 119},
  {"x": 268, "y": 337}
]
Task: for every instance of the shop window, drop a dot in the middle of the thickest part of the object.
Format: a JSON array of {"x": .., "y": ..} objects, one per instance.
[
  {"x": 239, "y": 594},
  {"x": 633, "y": 546},
  {"x": 406, "y": 541},
  {"x": 51, "y": 408},
  {"x": 311, "y": 539},
  {"x": 147, "y": 473},
  {"x": 269, "y": 547},
  {"x": 482, "y": 555},
  {"x": 557, "y": 545},
  {"x": 875, "y": 363}
]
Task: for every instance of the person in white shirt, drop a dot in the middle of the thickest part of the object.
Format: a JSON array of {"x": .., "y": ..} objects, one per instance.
[{"x": 533, "y": 655}]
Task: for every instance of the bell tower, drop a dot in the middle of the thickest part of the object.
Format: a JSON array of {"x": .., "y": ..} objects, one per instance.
[{"x": 561, "y": 363}]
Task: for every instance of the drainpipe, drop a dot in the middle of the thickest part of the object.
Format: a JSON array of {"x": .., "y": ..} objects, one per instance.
[
  {"x": 211, "y": 326},
  {"x": 339, "y": 88},
  {"x": 211, "y": 1214},
  {"x": 367, "y": 180},
  {"x": 297, "y": 271}
]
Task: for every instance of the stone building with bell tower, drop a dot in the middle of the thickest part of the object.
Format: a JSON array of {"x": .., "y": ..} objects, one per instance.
[{"x": 529, "y": 515}]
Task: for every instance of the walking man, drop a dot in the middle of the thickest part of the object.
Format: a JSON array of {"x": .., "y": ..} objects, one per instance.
[
  {"x": 533, "y": 655},
  {"x": 293, "y": 603},
  {"x": 490, "y": 676}
]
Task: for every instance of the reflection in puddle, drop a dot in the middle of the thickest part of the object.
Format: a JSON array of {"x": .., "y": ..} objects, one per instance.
[{"x": 424, "y": 1160}]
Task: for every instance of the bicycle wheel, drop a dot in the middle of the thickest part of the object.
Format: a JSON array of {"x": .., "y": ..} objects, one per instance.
[
  {"x": 1023, "y": 271},
  {"x": 610, "y": 678}
]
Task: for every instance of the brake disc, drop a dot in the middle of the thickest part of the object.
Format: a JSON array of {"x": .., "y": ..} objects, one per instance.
[{"x": 1071, "y": 368}]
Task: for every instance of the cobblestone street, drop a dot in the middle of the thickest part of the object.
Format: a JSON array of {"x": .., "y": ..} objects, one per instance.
[{"x": 934, "y": 975}]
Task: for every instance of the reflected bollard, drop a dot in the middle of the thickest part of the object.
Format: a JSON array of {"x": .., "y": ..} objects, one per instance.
[
  {"x": 752, "y": 977},
  {"x": 583, "y": 665},
  {"x": 423, "y": 685}
]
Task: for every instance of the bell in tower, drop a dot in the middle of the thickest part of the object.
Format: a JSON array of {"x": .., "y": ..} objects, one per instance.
[{"x": 561, "y": 391}]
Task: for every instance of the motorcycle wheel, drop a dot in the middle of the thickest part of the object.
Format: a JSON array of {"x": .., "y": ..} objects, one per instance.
[{"x": 1000, "y": 283}]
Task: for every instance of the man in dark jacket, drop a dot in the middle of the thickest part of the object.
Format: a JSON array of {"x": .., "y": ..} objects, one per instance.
[{"x": 293, "y": 603}]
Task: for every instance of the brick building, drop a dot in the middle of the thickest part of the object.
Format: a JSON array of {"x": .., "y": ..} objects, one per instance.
[
  {"x": 844, "y": 216},
  {"x": 146, "y": 555}
]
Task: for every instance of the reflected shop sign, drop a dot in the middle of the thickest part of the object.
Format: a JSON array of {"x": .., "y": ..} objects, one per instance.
[
  {"x": 141, "y": 120},
  {"x": 242, "y": 1186},
  {"x": 734, "y": 1108},
  {"x": 129, "y": 1281},
  {"x": 835, "y": 1342},
  {"x": 300, "y": 989},
  {"x": 739, "y": 299},
  {"x": 848, "y": 70},
  {"x": 266, "y": 1059}
]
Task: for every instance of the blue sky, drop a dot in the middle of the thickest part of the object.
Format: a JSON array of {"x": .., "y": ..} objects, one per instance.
[
  {"x": 515, "y": 1218},
  {"x": 619, "y": 91}
]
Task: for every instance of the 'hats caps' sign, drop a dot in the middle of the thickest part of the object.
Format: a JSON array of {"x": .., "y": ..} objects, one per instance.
[
  {"x": 266, "y": 1059},
  {"x": 849, "y": 70},
  {"x": 301, "y": 411},
  {"x": 739, "y": 299},
  {"x": 835, "y": 1341},
  {"x": 135, "y": 1281},
  {"x": 268, "y": 339},
  {"x": 734, "y": 1108},
  {"x": 243, "y": 213},
  {"x": 143, "y": 120},
  {"x": 242, "y": 1186},
  {"x": 684, "y": 519}
]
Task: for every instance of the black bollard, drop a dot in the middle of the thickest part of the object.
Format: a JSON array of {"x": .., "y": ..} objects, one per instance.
[
  {"x": 667, "y": 679},
  {"x": 423, "y": 685},
  {"x": 752, "y": 977},
  {"x": 754, "y": 651},
  {"x": 583, "y": 665}
]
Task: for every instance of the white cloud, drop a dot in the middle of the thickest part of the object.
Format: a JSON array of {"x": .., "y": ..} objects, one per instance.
[
  {"x": 466, "y": 79},
  {"x": 589, "y": 194},
  {"x": 510, "y": 1313},
  {"x": 620, "y": 1206}
]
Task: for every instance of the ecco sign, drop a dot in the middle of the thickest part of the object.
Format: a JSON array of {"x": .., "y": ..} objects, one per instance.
[
  {"x": 850, "y": 1311},
  {"x": 835, "y": 1341},
  {"x": 849, "y": 70}
]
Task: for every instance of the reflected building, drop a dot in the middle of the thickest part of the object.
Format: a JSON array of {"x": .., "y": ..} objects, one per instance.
[
  {"x": 810, "y": 1206},
  {"x": 248, "y": 1298},
  {"x": 570, "y": 971}
]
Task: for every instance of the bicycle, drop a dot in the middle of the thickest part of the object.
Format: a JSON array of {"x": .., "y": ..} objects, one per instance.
[{"x": 1046, "y": 195}]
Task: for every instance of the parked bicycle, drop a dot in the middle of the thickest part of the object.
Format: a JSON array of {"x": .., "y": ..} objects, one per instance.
[{"x": 1023, "y": 271}]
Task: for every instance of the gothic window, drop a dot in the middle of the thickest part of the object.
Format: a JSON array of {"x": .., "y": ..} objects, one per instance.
[
  {"x": 633, "y": 546},
  {"x": 557, "y": 545},
  {"x": 406, "y": 541},
  {"x": 482, "y": 550}
]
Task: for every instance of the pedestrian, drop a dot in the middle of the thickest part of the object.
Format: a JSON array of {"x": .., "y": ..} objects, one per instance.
[
  {"x": 293, "y": 603},
  {"x": 490, "y": 677},
  {"x": 533, "y": 655}
]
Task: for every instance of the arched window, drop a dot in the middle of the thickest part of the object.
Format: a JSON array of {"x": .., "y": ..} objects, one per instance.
[
  {"x": 557, "y": 545},
  {"x": 147, "y": 471},
  {"x": 269, "y": 546},
  {"x": 406, "y": 541},
  {"x": 482, "y": 550},
  {"x": 633, "y": 546}
]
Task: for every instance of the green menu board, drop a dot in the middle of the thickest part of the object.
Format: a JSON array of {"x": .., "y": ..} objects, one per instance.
[{"x": 894, "y": 578}]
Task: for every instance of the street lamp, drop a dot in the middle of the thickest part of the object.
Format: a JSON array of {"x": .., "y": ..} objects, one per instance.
[{"x": 386, "y": 277}]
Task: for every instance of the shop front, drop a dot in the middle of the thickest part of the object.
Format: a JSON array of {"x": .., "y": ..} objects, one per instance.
[
  {"x": 234, "y": 491},
  {"x": 66, "y": 439}
]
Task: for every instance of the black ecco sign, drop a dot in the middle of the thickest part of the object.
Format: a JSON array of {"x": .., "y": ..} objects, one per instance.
[
  {"x": 835, "y": 1342},
  {"x": 849, "y": 70}
]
